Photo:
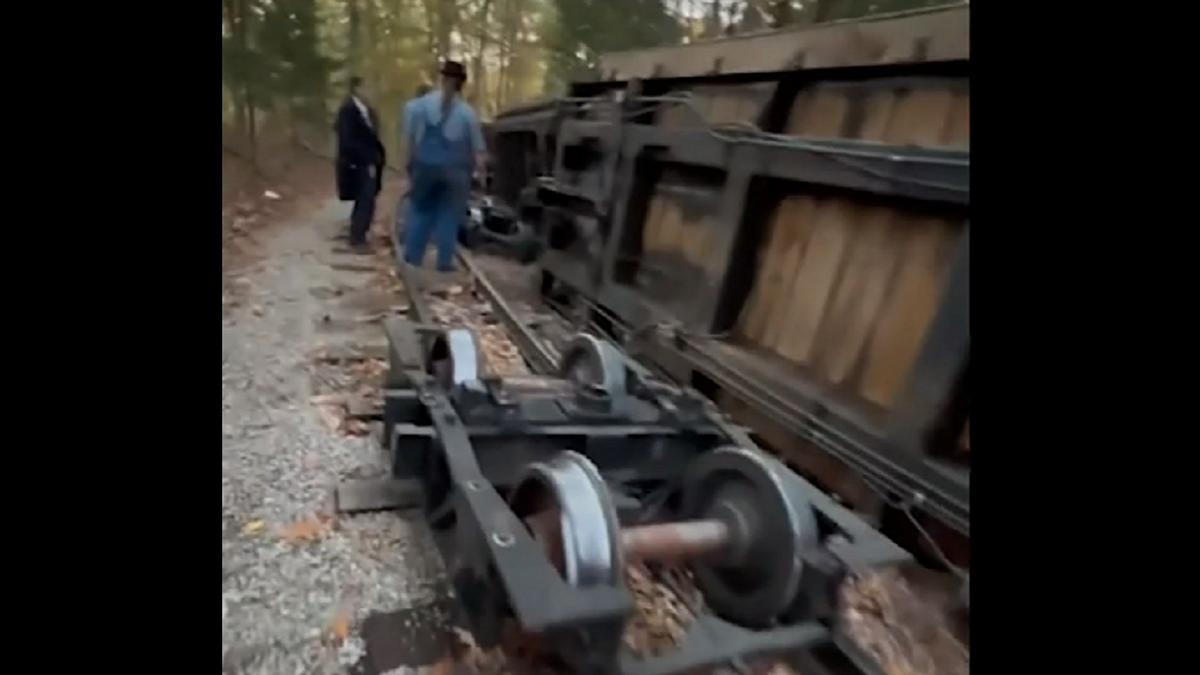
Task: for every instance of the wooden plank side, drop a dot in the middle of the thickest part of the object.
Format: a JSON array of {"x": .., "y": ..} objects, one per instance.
[
  {"x": 694, "y": 236},
  {"x": 873, "y": 257},
  {"x": 749, "y": 110},
  {"x": 878, "y": 111},
  {"x": 910, "y": 307},
  {"x": 652, "y": 227},
  {"x": 699, "y": 246},
  {"x": 919, "y": 116},
  {"x": 677, "y": 116},
  {"x": 724, "y": 106},
  {"x": 958, "y": 124},
  {"x": 670, "y": 228},
  {"x": 711, "y": 259},
  {"x": 720, "y": 104},
  {"x": 802, "y": 225},
  {"x": 819, "y": 114},
  {"x": 771, "y": 252},
  {"x": 816, "y": 276}
]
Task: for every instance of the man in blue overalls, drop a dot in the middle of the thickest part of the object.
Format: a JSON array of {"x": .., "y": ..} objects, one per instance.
[
  {"x": 445, "y": 149},
  {"x": 404, "y": 214}
]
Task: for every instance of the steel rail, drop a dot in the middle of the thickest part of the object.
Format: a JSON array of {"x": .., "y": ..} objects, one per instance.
[{"x": 536, "y": 353}]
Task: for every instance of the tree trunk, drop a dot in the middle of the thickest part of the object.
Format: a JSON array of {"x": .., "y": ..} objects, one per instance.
[
  {"x": 510, "y": 33},
  {"x": 251, "y": 126},
  {"x": 352, "y": 38},
  {"x": 480, "y": 71},
  {"x": 238, "y": 16}
]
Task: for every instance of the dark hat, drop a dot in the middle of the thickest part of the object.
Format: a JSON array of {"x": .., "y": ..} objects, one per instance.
[{"x": 454, "y": 69}]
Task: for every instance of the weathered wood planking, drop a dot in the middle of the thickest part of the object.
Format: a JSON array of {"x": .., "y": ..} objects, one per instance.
[
  {"x": 713, "y": 104},
  {"x": 927, "y": 113},
  {"x": 671, "y": 227},
  {"x": 848, "y": 291},
  {"x": 678, "y": 239}
]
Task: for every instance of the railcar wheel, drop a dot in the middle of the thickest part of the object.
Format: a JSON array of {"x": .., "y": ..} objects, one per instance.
[
  {"x": 593, "y": 362},
  {"x": 455, "y": 359},
  {"x": 566, "y": 505},
  {"x": 754, "y": 580}
]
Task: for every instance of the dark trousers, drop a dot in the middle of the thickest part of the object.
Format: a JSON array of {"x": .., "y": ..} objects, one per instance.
[{"x": 364, "y": 207}]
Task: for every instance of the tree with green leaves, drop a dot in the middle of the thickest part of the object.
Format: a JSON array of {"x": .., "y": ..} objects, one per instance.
[
  {"x": 585, "y": 29},
  {"x": 285, "y": 62}
]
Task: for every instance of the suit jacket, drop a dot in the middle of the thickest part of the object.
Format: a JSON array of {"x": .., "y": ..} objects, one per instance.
[{"x": 358, "y": 149}]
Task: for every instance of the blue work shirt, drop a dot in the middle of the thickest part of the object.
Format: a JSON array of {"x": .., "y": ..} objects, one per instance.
[
  {"x": 461, "y": 122},
  {"x": 405, "y": 121}
]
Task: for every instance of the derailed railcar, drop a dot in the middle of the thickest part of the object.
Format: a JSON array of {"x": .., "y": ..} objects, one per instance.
[{"x": 782, "y": 220}]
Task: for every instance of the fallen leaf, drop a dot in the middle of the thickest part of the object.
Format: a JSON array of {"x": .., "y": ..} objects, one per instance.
[
  {"x": 301, "y": 531},
  {"x": 332, "y": 409},
  {"x": 340, "y": 627},
  {"x": 332, "y": 419},
  {"x": 252, "y": 527}
]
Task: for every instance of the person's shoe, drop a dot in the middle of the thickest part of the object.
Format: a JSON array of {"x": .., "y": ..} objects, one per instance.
[{"x": 361, "y": 248}]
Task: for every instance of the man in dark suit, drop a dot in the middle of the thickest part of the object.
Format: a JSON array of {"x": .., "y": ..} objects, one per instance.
[{"x": 360, "y": 162}]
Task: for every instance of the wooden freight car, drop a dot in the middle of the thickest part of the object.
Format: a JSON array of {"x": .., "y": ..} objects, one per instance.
[{"x": 781, "y": 219}]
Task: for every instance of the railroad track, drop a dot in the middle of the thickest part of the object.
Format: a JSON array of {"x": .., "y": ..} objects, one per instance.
[
  {"x": 470, "y": 298},
  {"x": 517, "y": 340},
  {"x": 496, "y": 298}
]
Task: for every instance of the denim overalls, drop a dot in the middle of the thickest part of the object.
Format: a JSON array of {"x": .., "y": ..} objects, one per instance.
[{"x": 440, "y": 184}]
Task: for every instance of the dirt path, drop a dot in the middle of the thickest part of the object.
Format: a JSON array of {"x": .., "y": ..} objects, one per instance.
[{"x": 297, "y": 584}]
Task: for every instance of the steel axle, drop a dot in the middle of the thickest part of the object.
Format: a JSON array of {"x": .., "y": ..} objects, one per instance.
[
  {"x": 661, "y": 542},
  {"x": 744, "y": 530}
]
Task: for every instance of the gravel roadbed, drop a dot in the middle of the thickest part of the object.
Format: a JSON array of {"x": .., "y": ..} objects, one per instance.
[{"x": 298, "y": 583}]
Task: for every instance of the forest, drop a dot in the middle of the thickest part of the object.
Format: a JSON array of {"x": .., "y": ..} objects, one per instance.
[{"x": 285, "y": 63}]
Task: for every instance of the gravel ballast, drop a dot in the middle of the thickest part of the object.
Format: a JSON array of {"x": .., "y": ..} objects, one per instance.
[{"x": 298, "y": 583}]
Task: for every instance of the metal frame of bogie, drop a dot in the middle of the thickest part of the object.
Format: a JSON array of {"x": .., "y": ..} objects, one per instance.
[
  {"x": 482, "y": 446},
  {"x": 895, "y": 453}
]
